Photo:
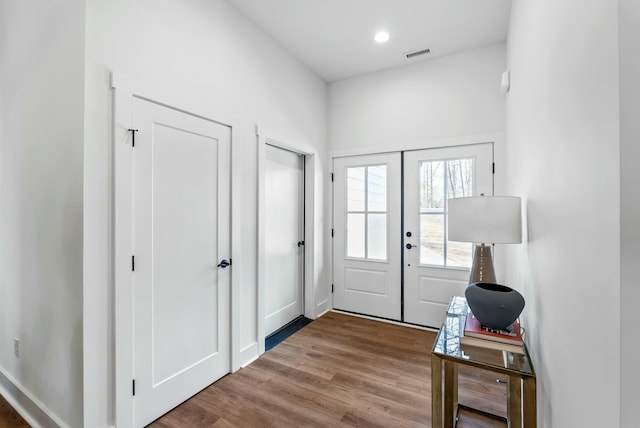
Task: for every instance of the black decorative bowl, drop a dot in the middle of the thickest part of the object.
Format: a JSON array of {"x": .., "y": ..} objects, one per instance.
[{"x": 494, "y": 305}]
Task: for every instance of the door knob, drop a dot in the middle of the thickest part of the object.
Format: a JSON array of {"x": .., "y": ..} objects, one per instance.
[
  {"x": 224, "y": 263},
  {"x": 409, "y": 246}
]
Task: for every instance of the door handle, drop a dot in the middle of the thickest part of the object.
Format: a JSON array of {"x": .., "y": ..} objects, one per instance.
[
  {"x": 300, "y": 244},
  {"x": 224, "y": 263},
  {"x": 409, "y": 246}
]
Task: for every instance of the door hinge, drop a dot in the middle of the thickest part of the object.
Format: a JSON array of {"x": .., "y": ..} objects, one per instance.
[
  {"x": 133, "y": 136},
  {"x": 332, "y": 232},
  {"x": 332, "y": 288},
  {"x": 332, "y": 177},
  {"x": 133, "y": 385},
  {"x": 133, "y": 263},
  {"x": 493, "y": 168}
]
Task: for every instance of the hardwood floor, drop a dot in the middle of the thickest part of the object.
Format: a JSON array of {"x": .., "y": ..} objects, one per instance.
[
  {"x": 9, "y": 418},
  {"x": 339, "y": 371}
]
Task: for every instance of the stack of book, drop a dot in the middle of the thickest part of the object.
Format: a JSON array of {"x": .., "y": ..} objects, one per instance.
[{"x": 509, "y": 340}]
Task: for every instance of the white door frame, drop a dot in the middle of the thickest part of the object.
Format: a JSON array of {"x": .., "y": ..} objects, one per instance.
[
  {"x": 264, "y": 137},
  {"x": 124, "y": 92}
]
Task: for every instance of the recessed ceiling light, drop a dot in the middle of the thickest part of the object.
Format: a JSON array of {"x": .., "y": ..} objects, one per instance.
[{"x": 381, "y": 36}]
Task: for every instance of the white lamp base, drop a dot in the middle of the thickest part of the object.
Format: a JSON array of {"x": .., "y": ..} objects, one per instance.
[{"x": 482, "y": 267}]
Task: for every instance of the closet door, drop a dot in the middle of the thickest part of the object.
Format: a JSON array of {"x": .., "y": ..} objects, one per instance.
[
  {"x": 181, "y": 194},
  {"x": 284, "y": 237}
]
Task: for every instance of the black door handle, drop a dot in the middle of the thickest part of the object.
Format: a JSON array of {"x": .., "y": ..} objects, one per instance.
[
  {"x": 300, "y": 244},
  {"x": 409, "y": 246},
  {"x": 224, "y": 263}
]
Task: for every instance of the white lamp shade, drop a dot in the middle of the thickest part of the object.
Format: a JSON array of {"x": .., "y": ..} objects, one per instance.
[{"x": 485, "y": 219}]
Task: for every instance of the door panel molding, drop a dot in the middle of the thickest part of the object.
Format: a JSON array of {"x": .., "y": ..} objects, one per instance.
[{"x": 376, "y": 281}]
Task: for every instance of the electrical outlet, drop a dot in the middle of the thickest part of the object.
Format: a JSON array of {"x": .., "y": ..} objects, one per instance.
[{"x": 16, "y": 347}]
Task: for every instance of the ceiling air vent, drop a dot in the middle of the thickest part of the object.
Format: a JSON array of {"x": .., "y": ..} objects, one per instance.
[{"x": 410, "y": 55}]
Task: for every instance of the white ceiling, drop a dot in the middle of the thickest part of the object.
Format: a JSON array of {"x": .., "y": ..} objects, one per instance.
[{"x": 334, "y": 38}]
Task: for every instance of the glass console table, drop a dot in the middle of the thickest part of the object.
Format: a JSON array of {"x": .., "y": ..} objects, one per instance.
[{"x": 448, "y": 352}]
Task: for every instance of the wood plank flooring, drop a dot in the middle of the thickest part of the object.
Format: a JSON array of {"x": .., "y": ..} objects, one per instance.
[
  {"x": 339, "y": 371},
  {"x": 9, "y": 418}
]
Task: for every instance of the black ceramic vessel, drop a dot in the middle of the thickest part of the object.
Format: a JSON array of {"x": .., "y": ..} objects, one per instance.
[{"x": 494, "y": 305}]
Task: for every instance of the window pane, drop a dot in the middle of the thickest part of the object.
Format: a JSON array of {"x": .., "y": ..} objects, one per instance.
[
  {"x": 377, "y": 237},
  {"x": 432, "y": 239},
  {"x": 355, "y": 235},
  {"x": 377, "y": 188},
  {"x": 459, "y": 178},
  {"x": 355, "y": 188},
  {"x": 459, "y": 184},
  {"x": 458, "y": 254},
  {"x": 432, "y": 195}
]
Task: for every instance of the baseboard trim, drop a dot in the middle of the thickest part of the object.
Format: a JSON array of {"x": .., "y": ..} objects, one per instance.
[
  {"x": 246, "y": 356},
  {"x": 322, "y": 308},
  {"x": 250, "y": 361},
  {"x": 32, "y": 410},
  {"x": 322, "y": 313}
]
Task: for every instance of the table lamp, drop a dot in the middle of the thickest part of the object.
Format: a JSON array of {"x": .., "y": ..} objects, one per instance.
[{"x": 488, "y": 220}]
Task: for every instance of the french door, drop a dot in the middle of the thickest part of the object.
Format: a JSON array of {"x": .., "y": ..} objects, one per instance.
[
  {"x": 392, "y": 258},
  {"x": 181, "y": 225},
  {"x": 367, "y": 235},
  {"x": 435, "y": 269}
]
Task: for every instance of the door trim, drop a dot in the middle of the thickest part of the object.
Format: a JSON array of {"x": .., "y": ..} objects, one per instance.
[
  {"x": 123, "y": 95},
  {"x": 265, "y": 136},
  {"x": 497, "y": 138}
]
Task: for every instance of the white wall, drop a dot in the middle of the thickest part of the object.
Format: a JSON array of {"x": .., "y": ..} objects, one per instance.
[
  {"x": 630, "y": 211},
  {"x": 41, "y": 109},
  {"x": 562, "y": 152},
  {"x": 203, "y": 54},
  {"x": 452, "y": 96}
]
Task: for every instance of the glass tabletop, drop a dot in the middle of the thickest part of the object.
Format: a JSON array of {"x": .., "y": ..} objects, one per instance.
[{"x": 448, "y": 345}]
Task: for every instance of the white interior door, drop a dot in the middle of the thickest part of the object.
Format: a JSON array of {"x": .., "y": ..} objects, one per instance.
[
  {"x": 366, "y": 245},
  {"x": 435, "y": 269},
  {"x": 284, "y": 237},
  {"x": 181, "y": 233}
]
